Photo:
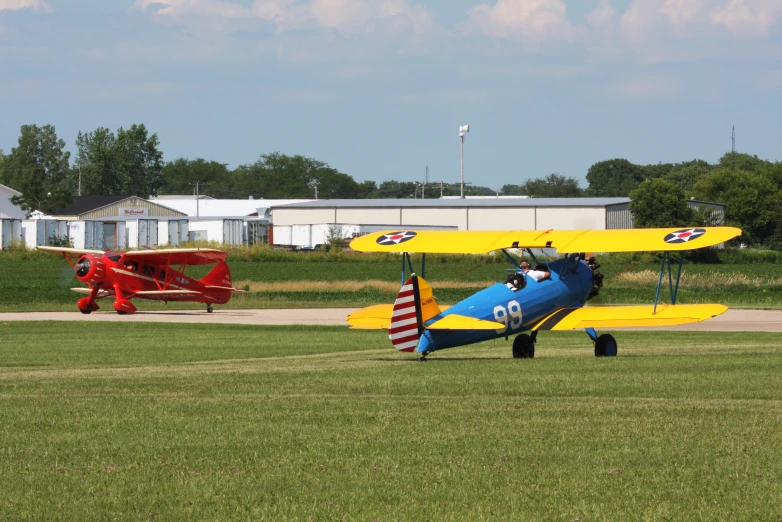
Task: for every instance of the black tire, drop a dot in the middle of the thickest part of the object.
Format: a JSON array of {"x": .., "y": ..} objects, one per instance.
[
  {"x": 605, "y": 346},
  {"x": 121, "y": 312},
  {"x": 523, "y": 347},
  {"x": 85, "y": 311},
  {"x": 209, "y": 309}
]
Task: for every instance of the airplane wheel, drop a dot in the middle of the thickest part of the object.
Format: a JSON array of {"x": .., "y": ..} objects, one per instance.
[
  {"x": 209, "y": 309},
  {"x": 523, "y": 347},
  {"x": 88, "y": 311},
  {"x": 120, "y": 312},
  {"x": 605, "y": 346}
]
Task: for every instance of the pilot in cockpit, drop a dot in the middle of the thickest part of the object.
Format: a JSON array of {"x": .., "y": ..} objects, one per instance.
[{"x": 539, "y": 274}]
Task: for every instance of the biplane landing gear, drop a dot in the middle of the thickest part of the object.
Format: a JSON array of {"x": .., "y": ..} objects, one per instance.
[
  {"x": 209, "y": 309},
  {"x": 605, "y": 346},
  {"x": 524, "y": 346},
  {"x": 88, "y": 311}
]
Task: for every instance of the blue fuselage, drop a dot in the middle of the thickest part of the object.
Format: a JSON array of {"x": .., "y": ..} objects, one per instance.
[{"x": 519, "y": 310}]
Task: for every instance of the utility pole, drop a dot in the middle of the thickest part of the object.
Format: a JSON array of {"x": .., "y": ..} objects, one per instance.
[
  {"x": 79, "y": 177},
  {"x": 196, "y": 192},
  {"x": 314, "y": 183},
  {"x": 462, "y": 130},
  {"x": 426, "y": 180}
]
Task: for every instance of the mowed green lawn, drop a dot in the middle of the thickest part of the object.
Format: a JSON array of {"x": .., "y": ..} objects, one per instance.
[{"x": 148, "y": 421}]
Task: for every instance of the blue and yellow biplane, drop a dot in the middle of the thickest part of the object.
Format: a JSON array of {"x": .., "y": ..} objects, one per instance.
[{"x": 416, "y": 323}]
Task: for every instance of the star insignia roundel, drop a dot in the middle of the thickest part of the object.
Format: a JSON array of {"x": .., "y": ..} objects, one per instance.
[
  {"x": 394, "y": 238},
  {"x": 684, "y": 236}
]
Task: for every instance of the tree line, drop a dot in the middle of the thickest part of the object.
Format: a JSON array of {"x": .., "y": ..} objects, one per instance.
[{"x": 130, "y": 162}]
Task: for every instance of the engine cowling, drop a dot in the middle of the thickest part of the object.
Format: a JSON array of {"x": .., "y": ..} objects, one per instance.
[{"x": 90, "y": 269}]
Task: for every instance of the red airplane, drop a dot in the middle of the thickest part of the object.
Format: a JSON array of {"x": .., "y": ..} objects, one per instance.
[{"x": 148, "y": 274}]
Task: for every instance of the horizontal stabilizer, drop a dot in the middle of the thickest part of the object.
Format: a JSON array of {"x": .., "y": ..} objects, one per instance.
[
  {"x": 376, "y": 317},
  {"x": 461, "y": 322},
  {"x": 628, "y": 316}
]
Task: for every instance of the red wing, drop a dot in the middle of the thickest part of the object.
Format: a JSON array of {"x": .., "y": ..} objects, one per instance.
[
  {"x": 73, "y": 253},
  {"x": 169, "y": 295},
  {"x": 178, "y": 256}
]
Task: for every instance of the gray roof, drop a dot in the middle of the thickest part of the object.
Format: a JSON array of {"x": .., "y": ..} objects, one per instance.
[{"x": 458, "y": 203}]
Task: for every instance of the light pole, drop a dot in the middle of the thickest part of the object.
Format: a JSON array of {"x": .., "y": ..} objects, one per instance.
[{"x": 462, "y": 130}]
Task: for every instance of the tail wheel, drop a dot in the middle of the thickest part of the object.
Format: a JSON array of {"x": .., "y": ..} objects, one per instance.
[
  {"x": 605, "y": 346},
  {"x": 523, "y": 347},
  {"x": 209, "y": 309}
]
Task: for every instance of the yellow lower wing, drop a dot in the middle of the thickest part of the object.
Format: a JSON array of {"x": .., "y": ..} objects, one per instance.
[{"x": 628, "y": 316}]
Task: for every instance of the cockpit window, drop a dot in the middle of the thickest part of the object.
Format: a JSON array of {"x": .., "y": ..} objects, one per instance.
[{"x": 114, "y": 258}]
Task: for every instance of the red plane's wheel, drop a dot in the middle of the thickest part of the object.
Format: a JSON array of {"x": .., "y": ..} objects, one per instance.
[
  {"x": 87, "y": 311},
  {"x": 523, "y": 347},
  {"x": 605, "y": 346},
  {"x": 209, "y": 309},
  {"x": 121, "y": 312}
]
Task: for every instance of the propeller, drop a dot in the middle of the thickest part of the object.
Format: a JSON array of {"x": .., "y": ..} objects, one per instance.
[{"x": 82, "y": 267}]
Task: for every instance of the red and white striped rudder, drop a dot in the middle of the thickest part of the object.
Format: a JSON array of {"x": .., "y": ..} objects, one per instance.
[{"x": 405, "y": 328}]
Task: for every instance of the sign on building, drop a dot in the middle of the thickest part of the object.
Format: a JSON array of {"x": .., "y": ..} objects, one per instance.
[{"x": 128, "y": 212}]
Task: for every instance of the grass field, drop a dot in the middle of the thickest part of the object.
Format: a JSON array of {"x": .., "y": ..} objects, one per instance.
[
  {"x": 144, "y": 421},
  {"x": 37, "y": 282}
]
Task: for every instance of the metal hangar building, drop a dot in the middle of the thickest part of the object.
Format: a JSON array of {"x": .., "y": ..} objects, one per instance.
[{"x": 462, "y": 214}]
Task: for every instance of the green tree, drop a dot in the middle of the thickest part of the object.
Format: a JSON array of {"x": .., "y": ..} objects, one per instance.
[
  {"x": 3, "y": 178},
  {"x": 552, "y": 186},
  {"x": 511, "y": 190},
  {"x": 396, "y": 190},
  {"x": 655, "y": 171},
  {"x": 615, "y": 177},
  {"x": 97, "y": 163},
  {"x": 139, "y": 161},
  {"x": 213, "y": 178},
  {"x": 128, "y": 163},
  {"x": 741, "y": 161},
  {"x": 752, "y": 201},
  {"x": 278, "y": 175},
  {"x": 687, "y": 174},
  {"x": 658, "y": 203},
  {"x": 38, "y": 168}
]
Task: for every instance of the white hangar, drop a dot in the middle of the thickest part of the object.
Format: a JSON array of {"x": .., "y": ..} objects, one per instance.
[{"x": 464, "y": 214}]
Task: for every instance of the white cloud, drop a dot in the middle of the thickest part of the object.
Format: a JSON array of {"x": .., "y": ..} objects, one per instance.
[
  {"x": 748, "y": 18},
  {"x": 601, "y": 18},
  {"x": 344, "y": 16},
  {"x": 532, "y": 22},
  {"x": 35, "y": 5},
  {"x": 180, "y": 9},
  {"x": 370, "y": 16}
]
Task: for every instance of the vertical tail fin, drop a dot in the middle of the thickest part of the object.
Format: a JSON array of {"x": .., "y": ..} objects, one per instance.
[
  {"x": 220, "y": 275},
  {"x": 413, "y": 306}
]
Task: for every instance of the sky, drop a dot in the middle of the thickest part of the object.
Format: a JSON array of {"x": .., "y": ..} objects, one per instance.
[{"x": 378, "y": 88}]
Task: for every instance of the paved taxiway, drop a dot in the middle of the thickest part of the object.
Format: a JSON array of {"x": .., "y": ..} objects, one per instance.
[{"x": 730, "y": 321}]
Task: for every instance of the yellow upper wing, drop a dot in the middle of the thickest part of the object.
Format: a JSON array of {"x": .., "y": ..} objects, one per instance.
[{"x": 484, "y": 241}]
